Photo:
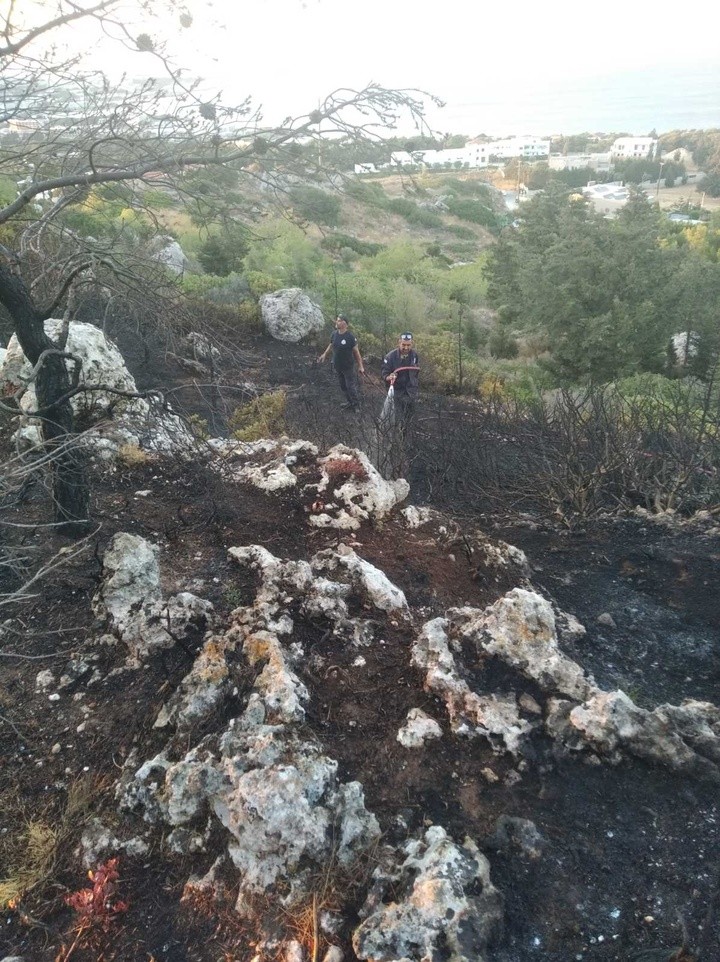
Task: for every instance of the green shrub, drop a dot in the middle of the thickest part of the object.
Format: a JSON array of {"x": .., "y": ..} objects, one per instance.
[
  {"x": 231, "y": 290},
  {"x": 471, "y": 188},
  {"x": 316, "y": 205},
  {"x": 414, "y": 214},
  {"x": 263, "y": 417},
  {"x": 366, "y": 192},
  {"x": 260, "y": 283},
  {"x": 502, "y": 344},
  {"x": 464, "y": 233},
  {"x": 474, "y": 211},
  {"x": 8, "y": 190},
  {"x": 222, "y": 254},
  {"x": 368, "y": 342},
  {"x": 336, "y": 242},
  {"x": 441, "y": 362}
]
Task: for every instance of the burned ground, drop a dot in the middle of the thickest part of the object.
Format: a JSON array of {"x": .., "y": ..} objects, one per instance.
[{"x": 630, "y": 855}]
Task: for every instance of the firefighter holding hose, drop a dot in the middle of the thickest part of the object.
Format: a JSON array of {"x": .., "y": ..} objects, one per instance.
[{"x": 401, "y": 372}]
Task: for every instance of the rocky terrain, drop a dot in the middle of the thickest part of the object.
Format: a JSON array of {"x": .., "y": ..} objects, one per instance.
[{"x": 281, "y": 711}]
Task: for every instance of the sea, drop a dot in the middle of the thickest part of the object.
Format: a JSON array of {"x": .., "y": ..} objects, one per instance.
[{"x": 635, "y": 102}]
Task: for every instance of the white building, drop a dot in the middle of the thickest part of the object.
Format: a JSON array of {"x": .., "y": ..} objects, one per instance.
[
  {"x": 477, "y": 153},
  {"x": 634, "y": 148},
  {"x": 474, "y": 154},
  {"x": 444, "y": 158},
  {"x": 576, "y": 161},
  {"x": 526, "y": 148}
]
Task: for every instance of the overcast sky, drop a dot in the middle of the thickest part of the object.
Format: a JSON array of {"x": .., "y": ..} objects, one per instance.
[{"x": 287, "y": 54}]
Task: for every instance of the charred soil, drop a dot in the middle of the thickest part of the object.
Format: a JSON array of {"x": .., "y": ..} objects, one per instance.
[{"x": 629, "y": 861}]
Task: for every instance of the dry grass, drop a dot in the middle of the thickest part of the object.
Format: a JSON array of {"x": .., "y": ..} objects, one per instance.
[
  {"x": 132, "y": 456},
  {"x": 670, "y": 196},
  {"x": 31, "y": 854},
  {"x": 335, "y": 890},
  {"x": 32, "y": 862}
]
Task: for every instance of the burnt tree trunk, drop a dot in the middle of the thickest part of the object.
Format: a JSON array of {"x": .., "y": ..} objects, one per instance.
[{"x": 69, "y": 465}]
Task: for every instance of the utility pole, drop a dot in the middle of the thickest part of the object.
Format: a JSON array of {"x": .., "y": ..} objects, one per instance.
[
  {"x": 460, "y": 347},
  {"x": 319, "y": 138},
  {"x": 657, "y": 190}
]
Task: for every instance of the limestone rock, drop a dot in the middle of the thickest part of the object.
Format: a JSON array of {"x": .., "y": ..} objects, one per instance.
[
  {"x": 334, "y": 954},
  {"x": 202, "y": 689},
  {"x": 494, "y": 717},
  {"x": 360, "y": 496},
  {"x": 606, "y": 620},
  {"x": 173, "y": 257},
  {"x": 418, "y": 729},
  {"x": 416, "y": 517},
  {"x": 102, "y": 363},
  {"x": 520, "y": 629},
  {"x": 271, "y": 473},
  {"x": 276, "y": 795},
  {"x": 290, "y": 315},
  {"x": 131, "y": 579},
  {"x": 365, "y": 577},
  {"x": 516, "y": 834},
  {"x": 697, "y": 723},
  {"x": 444, "y": 906},
  {"x": 568, "y": 627},
  {"x": 135, "y": 421},
  {"x": 282, "y": 692},
  {"x": 130, "y": 599},
  {"x": 319, "y": 596},
  {"x": 203, "y": 349},
  {"x": 611, "y": 723},
  {"x": 98, "y": 843}
]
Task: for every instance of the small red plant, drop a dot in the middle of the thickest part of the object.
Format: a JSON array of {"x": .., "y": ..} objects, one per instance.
[
  {"x": 96, "y": 908},
  {"x": 345, "y": 468}
]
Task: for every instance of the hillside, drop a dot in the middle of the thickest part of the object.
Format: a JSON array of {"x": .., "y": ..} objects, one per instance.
[{"x": 226, "y": 724}]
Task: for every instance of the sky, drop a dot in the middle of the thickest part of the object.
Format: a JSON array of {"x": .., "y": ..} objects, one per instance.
[{"x": 500, "y": 68}]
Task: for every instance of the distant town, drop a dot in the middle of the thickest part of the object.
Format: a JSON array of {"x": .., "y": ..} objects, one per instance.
[
  {"x": 480, "y": 152},
  {"x": 607, "y": 196}
]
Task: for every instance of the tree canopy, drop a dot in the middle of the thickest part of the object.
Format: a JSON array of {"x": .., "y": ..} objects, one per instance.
[{"x": 606, "y": 294}]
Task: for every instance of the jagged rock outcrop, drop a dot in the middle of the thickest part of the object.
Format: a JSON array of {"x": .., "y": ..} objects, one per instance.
[
  {"x": 443, "y": 905},
  {"x": 520, "y": 630},
  {"x": 171, "y": 254},
  {"x": 290, "y": 315},
  {"x": 203, "y": 349},
  {"x": 273, "y": 796},
  {"x": 276, "y": 794},
  {"x": 135, "y": 421},
  {"x": 102, "y": 364},
  {"x": 352, "y": 490},
  {"x": 268, "y": 464},
  {"x": 283, "y": 581},
  {"x": 685, "y": 738},
  {"x": 130, "y": 600},
  {"x": 494, "y": 717}
]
